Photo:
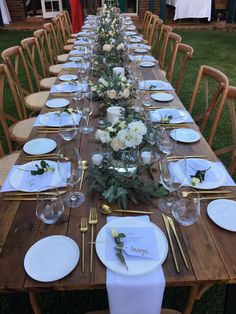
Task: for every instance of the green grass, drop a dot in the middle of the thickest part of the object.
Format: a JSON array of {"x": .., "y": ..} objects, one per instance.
[{"x": 214, "y": 48}]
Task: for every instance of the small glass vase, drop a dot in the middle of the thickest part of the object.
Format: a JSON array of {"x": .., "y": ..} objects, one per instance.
[{"x": 124, "y": 161}]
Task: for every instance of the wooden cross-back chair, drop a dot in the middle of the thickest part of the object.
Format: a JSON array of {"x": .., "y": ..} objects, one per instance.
[
  {"x": 35, "y": 56},
  {"x": 16, "y": 128},
  {"x": 154, "y": 22},
  {"x": 213, "y": 83},
  {"x": 45, "y": 41},
  {"x": 60, "y": 33},
  {"x": 65, "y": 28},
  {"x": 161, "y": 44},
  {"x": 18, "y": 67},
  {"x": 179, "y": 61},
  {"x": 157, "y": 35},
  {"x": 146, "y": 20},
  {"x": 227, "y": 104}
]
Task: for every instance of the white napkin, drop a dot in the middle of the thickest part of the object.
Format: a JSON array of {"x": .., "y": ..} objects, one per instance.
[
  {"x": 86, "y": 33},
  {"x": 71, "y": 65},
  {"x": 136, "y": 46},
  {"x": 129, "y": 33},
  {"x": 52, "y": 119},
  {"x": 155, "y": 85},
  {"x": 28, "y": 182},
  {"x": 202, "y": 164},
  {"x": 77, "y": 52},
  {"x": 67, "y": 88},
  {"x": 135, "y": 295},
  {"x": 83, "y": 41},
  {"x": 179, "y": 116}
]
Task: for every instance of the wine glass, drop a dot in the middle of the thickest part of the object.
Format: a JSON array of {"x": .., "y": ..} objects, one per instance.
[
  {"x": 165, "y": 144},
  {"x": 67, "y": 125},
  {"x": 186, "y": 210},
  {"x": 87, "y": 110},
  {"x": 166, "y": 203},
  {"x": 69, "y": 164},
  {"x": 49, "y": 208}
]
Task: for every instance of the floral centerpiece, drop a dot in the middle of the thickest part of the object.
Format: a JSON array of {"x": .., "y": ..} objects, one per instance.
[{"x": 111, "y": 88}]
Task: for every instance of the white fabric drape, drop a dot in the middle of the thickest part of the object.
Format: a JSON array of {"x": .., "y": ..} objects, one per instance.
[{"x": 5, "y": 12}]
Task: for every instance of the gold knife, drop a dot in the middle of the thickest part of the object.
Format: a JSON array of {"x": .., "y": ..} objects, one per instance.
[
  {"x": 177, "y": 239},
  {"x": 170, "y": 240}
]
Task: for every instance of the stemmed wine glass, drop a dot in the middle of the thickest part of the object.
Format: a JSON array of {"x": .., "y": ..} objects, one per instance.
[
  {"x": 69, "y": 164},
  {"x": 86, "y": 111},
  {"x": 166, "y": 203},
  {"x": 67, "y": 125}
]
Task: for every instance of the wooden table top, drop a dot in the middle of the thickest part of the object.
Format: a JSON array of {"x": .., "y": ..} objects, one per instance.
[{"x": 210, "y": 250}]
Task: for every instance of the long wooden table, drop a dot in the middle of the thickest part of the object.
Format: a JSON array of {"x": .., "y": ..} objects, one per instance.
[{"x": 209, "y": 249}]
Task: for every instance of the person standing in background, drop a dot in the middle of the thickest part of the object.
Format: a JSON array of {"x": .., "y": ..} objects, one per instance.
[{"x": 76, "y": 15}]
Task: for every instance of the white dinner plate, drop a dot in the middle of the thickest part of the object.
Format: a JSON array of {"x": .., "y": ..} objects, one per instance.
[
  {"x": 57, "y": 103},
  {"x": 163, "y": 97},
  {"x": 39, "y": 146},
  {"x": 141, "y": 50},
  {"x": 129, "y": 33},
  {"x": 135, "y": 40},
  {"x": 75, "y": 58},
  {"x": 185, "y": 135},
  {"x": 214, "y": 177},
  {"x": 68, "y": 77},
  {"x": 136, "y": 265},
  {"x": 22, "y": 180},
  {"x": 147, "y": 64},
  {"x": 223, "y": 213},
  {"x": 51, "y": 258}
]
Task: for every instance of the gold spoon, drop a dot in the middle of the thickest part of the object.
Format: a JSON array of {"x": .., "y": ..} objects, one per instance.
[
  {"x": 186, "y": 193},
  {"x": 84, "y": 167},
  {"x": 107, "y": 210}
]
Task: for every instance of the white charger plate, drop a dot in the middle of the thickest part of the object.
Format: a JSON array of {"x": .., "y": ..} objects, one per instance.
[
  {"x": 147, "y": 64},
  {"x": 51, "y": 258},
  {"x": 68, "y": 77},
  {"x": 215, "y": 176},
  {"x": 185, "y": 135},
  {"x": 22, "y": 180},
  {"x": 137, "y": 266},
  {"x": 57, "y": 103},
  {"x": 163, "y": 97},
  {"x": 223, "y": 213},
  {"x": 39, "y": 146}
]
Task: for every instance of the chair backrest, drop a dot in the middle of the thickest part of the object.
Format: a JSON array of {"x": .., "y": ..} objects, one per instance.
[
  {"x": 161, "y": 44},
  {"x": 63, "y": 26},
  {"x": 46, "y": 48},
  {"x": 20, "y": 72},
  {"x": 146, "y": 22},
  {"x": 34, "y": 56},
  {"x": 151, "y": 29},
  {"x": 179, "y": 63},
  {"x": 224, "y": 134},
  {"x": 68, "y": 21},
  {"x": 60, "y": 33},
  {"x": 210, "y": 85},
  {"x": 9, "y": 91}
]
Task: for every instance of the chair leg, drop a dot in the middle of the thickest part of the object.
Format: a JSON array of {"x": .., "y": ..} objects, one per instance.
[
  {"x": 196, "y": 292},
  {"x": 34, "y": 303}
]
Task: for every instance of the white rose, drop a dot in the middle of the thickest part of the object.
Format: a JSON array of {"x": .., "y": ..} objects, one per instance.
[
  {"x": 111, "y": 94},
  {"x": 107, "y": 47},
  {"x": 117, "y": 144},
  {"x": 137, "y": 128},
  {"x": 110, "y": 33},
  {"x": 195, "y": 181},
  {"x": 123, "y": 78},
  {"x": 120, "y": 47},
  {"x": 102, "y": 136},
  {"x": 126, "y": 93}
]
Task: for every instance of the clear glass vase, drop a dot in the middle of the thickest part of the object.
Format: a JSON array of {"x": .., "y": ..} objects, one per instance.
[{"x": 124, "y": 161}]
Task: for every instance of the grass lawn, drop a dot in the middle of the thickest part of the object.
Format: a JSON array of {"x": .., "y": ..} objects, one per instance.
[{"x": 214, "y": 48}]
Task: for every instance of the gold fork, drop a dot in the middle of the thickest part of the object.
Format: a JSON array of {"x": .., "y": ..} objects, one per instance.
[
  {"x": 83, "y": 229},
  {"x": 93, "y": 220}
]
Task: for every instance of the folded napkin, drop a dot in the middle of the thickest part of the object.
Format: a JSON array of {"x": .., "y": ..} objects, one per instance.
[
  {"x": 142, "y": 58},
  {"x": 67, "y": 88},
  {"x": 72, "y": 65},
  {"x": 157, "y": 85},
  {"x": 23, "y": 180},
  {"x": 138, "y": 294},
  {"x": 216, "y": 173},
  {"x": 52, "y": 119},
  {"x": 178, "y": 116},
  {"x": 86, "y": 33},
  {"x": 136, "y": 46},
  {"x": 77, "y": 52}
]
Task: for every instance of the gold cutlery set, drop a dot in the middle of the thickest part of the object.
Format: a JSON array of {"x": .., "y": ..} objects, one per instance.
[
  {"x": 25, "y": 196},
  {"x": 169, "y": 224}
]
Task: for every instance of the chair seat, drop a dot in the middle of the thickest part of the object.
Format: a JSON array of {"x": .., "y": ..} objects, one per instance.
[
  {"x": 47, "y": 82},
  {"x": 55, "y": 69},
  {"x": 62, "y": 58},
  {"x": 68, "y": 47},
  {"x": 6, "y": 163},
  {"x": 71, "y": 40},
  {"x": 74, "y": 35},
  {"x": 36, "y": 101},
  {"x": 21, "y": 130}
]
